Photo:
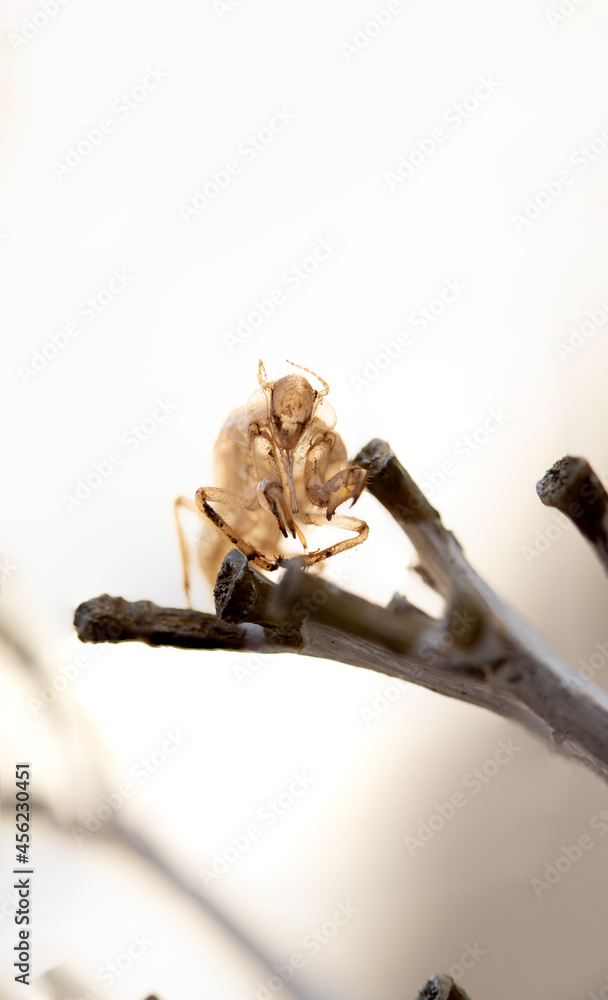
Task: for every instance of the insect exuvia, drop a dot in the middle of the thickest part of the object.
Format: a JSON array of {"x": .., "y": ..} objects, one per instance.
[{"x": 279, "y": 466}]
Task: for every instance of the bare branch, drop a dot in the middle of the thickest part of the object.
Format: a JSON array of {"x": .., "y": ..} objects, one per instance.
[
  {"x": 572, "y": 487},
  {"x": 480, "y": 651},
  {"x": 112, "y": 619}
]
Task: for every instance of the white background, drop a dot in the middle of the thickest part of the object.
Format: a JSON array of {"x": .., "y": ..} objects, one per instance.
[{"x": 362, "y": 96}]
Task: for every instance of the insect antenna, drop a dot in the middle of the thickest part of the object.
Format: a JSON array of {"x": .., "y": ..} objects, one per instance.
[
  {"x": 310, "y": 372},
  {"x": 262, "y": 376}
]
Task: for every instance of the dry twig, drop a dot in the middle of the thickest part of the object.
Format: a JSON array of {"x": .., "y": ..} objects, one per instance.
[
  {"x": 572, "y": 487},
  {"x": 442, "y": 988},
  {"x": 480, "y": 651}
]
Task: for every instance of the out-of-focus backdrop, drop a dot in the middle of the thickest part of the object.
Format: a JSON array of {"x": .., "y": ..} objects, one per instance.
[{"x": 409, "y": 198}]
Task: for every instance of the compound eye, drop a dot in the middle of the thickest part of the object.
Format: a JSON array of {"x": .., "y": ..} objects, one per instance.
[
  {"x": 325, "y": 415},
  {"x": 257, "y": 407}
]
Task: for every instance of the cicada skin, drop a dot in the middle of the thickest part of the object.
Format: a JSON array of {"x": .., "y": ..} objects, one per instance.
[{"x": 279, "y": 465}]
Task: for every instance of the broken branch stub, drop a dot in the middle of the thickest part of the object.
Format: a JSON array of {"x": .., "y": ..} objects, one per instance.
[
  {"x": 442, "y": 987},
  {"x": 572, "y": 487}
]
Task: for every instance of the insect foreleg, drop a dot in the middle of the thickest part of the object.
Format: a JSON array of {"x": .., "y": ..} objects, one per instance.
[
  {"x": 270, "y": 492},
  {"x": 340, "y": 521},
  {"x": 348, "y": 484}
]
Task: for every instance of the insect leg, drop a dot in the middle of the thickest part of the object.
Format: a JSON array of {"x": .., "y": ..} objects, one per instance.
[
  {"x": 271, "y": 495},
  {"x": 348, "y": 484},
  {"x": 340, "y": 521},
  {"x": 206, "y": 495},
  {"x": 189, "y": 505}
]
